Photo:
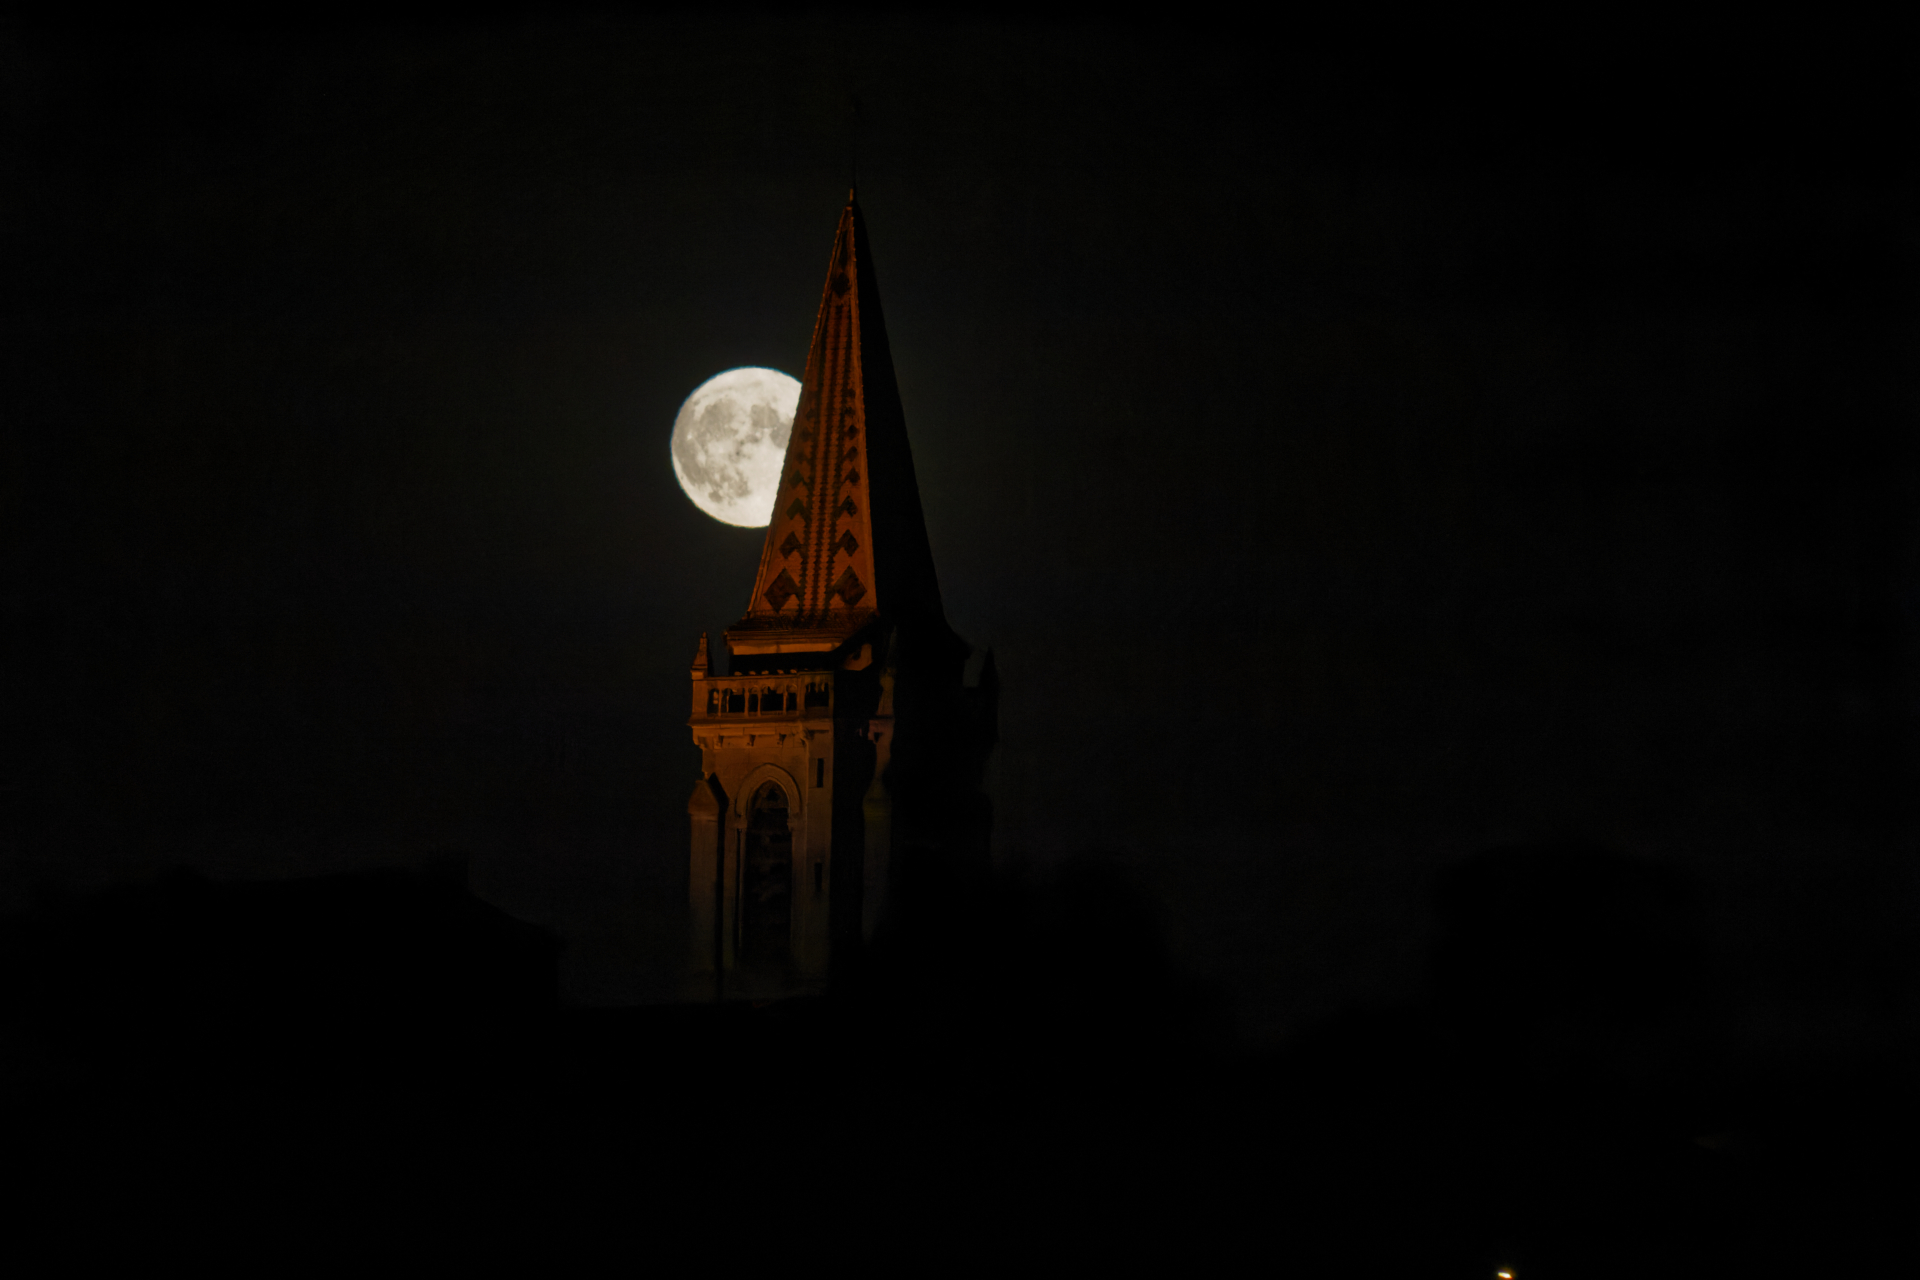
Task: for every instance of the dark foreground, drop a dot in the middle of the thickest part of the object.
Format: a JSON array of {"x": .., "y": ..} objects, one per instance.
[{"x": 378, "y": 1064}]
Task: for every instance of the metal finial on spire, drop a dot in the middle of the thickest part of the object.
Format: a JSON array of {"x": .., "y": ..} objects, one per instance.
[{"x": 853, "y": 152}]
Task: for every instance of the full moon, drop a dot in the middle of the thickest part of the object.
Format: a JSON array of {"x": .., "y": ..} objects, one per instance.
[{"x": 729, "y": 442}]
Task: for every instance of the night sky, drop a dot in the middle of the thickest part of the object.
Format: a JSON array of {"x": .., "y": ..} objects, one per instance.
[{"x": 1359, "y": 449}]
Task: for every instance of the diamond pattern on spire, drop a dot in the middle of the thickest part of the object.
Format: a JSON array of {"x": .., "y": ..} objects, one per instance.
[
  {"x": 848, "y": 587},
  {"x": 784, "y": 588},
  {"x": 848, "y": 389}
]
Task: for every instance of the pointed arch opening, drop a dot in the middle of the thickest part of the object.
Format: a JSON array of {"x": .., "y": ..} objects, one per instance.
[{"x": 766, "y": 907}]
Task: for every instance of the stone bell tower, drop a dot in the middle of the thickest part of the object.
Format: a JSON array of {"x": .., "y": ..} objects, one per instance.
[{"x": 841, "y": 755}]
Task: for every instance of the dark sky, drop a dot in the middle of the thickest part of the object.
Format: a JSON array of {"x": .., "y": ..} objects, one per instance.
[{"x": 1358, "y": 447}]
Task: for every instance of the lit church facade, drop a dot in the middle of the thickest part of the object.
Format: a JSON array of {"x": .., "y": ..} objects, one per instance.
[{"x": 842, "y": 753}]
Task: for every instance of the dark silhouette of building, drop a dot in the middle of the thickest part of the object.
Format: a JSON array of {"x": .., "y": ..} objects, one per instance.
[{"x": 841, "y": 753}]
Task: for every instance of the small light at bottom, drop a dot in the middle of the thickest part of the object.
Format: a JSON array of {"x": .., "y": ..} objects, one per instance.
[{"x": 1503, "y": 1275}]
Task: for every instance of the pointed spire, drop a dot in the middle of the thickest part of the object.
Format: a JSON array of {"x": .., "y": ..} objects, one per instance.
[{"x": 848, "y": 540}]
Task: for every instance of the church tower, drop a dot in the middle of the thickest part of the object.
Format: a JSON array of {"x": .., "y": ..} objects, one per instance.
[{"x": 841, "y": 754}]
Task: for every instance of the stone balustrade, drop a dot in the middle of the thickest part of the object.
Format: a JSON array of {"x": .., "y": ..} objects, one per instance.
[{"x": 761, "y": 695}]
